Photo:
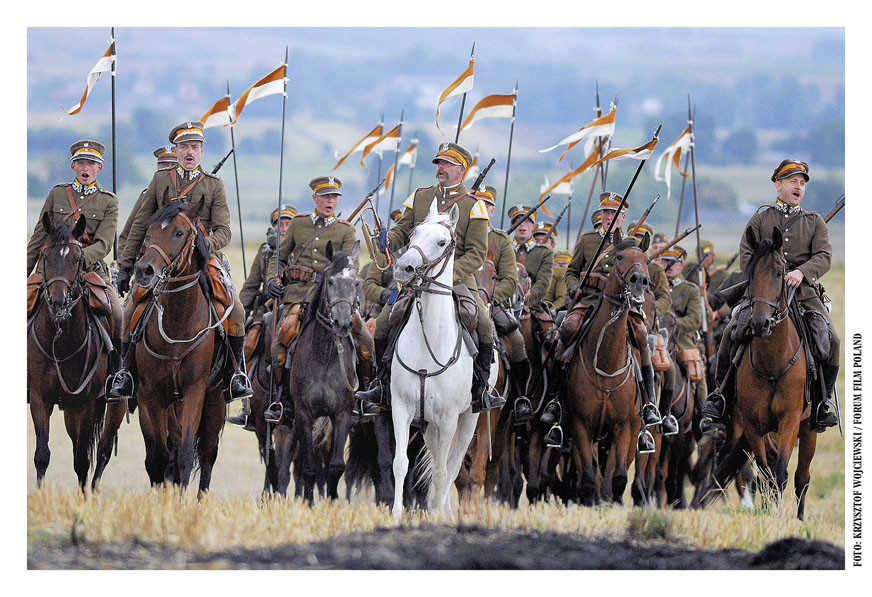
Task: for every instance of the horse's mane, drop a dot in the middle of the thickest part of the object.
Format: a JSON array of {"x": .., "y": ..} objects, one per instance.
[
  {"x": 168, "y": 212},
  {"x": 339, "y": 262},
  {"x": 60, "y": 235},
  {"x": 764, "y": 247},
  {"x": 626, "y": 244}
]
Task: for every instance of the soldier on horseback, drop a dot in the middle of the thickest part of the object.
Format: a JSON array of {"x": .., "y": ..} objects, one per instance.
[
  {"x": 301, "y": 256},
  {"x": 501, "y": 252},
  {"x": 656, "y": 273},
  {"x": 166, "y": 158},
  {"x": 806, "y": 249},
  {"x": 186, "y": 181},
  {"x": 584, "y": 299},
  {"x": 451, "y": 161},
  {"x": 537, "y": 258},
  {"x": 84, "y": 198}
]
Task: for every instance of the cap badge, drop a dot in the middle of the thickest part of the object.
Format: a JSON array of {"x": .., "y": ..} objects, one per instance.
[
  {"x": 443, "y": 147},
  {"x": 330, "y": 181},
  {"x": 189, "y": 125},
  {"x": 84, "y": 145}
]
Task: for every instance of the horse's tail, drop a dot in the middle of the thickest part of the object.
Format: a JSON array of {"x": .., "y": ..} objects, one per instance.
[
  {"x": 422, "y": 458},
  {"x": 96, "y": 432},
  {"x": 322, "y": 432},
  {"x": 726, "y": 467},
  {"x": 361, "y": 455}
]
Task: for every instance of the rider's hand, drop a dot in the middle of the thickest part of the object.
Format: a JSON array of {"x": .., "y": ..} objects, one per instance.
[
  {"x": 122, "y": 281},
  {"x": 385, "y": 295},
  {"x": 383, "y": 239},
  {"x": 572, "y": 289},
  {"x": 794, "y": 278},
  {"x": 274, "y": 288}
]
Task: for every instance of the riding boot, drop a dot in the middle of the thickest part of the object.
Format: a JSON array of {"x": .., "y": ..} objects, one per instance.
[
  {"x": 378, "y": 396},
  {"x": 520, "y": 372},
  {"x": 551, "y": 414},
  {"x": 669, "y": 424},
  {"x": 481, "y": 398},
  {"x": 240, "y": 387},
  {"x": 645, "y": 442},
  {"x": 242, "y": 419},
  {"x": 650, "y": 414},
  {"x": 715, "y": 406},
  {"x": 824, "y": 417},
  {"x": 122, "y": 381}
]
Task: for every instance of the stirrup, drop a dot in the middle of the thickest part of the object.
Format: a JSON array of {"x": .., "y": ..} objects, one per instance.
[
  {"x": 114, "y": 394},
  {"x": 824, "y": 419},
  {"x": 552, "y": 417},
  {"x": 246, "y": 391},
  {"x": 527, "y": 411},
  {"x": 645, "y": 442},
  {"x": 270, "y": 415},
  {"x": 669, "y": 425},
  {"x": 554, "y": 437},
  {"x": 650, "y": 420}
]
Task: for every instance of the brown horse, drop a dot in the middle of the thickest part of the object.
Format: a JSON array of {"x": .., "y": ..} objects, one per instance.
[
  {"x": 601, "y": 392},
  {"x": 181, "y": 407},
  {"x": 771, "y": 382},
  {"x": 67, "y": 362}
]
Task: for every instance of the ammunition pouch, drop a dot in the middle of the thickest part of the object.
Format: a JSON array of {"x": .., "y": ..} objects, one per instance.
[
  {"x": 289, "y": 326},
  {"x": 299, "y": 273},
  {"x": 572, "y": 323},
  {"x": 693, "y": 363},
  {"x": 504, "y": 321},
  {"x": 467, "y": 307}
]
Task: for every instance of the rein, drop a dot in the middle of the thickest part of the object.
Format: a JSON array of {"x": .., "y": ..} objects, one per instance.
[{"x": 322, "y": 317}]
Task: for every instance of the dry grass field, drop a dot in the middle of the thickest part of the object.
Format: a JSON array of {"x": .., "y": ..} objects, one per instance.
[{"x": 234, "y": 515}]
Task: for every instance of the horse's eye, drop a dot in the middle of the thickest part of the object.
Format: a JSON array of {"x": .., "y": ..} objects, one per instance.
[
  {"x": 442, "y": 242},
  {"x": 619, "y": 257},
  {"x": 179, "y": 233}
]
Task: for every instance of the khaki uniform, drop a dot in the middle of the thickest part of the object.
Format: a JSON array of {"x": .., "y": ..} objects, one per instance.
[
  {"x": 582, "y": 256},
  {"x": 471, "y": 243},
  {"x": 556, "y": 294},
  {"x": 375, "y": 282},
  {"x": 214, "y": 215},
  {"x": 125, "y": 232},
  {"x": 688, "y": 312},
  {"x": 505, "y": 267},
  {"x": 317, "y": 232},
  {"x": 659, "y": 284},
  {"x": 101, "y": 217},
  {"x": 539, "y": 261},
  {"x": 257, "y": 278},
  {"x": 806, "y": 247}
]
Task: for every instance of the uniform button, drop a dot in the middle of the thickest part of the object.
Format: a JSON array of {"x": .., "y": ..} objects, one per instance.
[
  {"x": 787, "y": 229},
  {"x": 316, "y": 261},
  {"x": 316, "y": 238},
  {"x": 315, "y": 250},
  {"x": 80, "y": 209}
]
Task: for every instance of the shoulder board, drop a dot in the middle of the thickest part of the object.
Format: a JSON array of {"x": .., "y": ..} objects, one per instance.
[
  {"x": 410, "y": 200},
  {"x": 210, "y": 175},
  {"x": 165, "y": 168},
  {"x": 764, "y": 207},
  {"x": 346, "y": 222},
  {"x": 305, "y": 215},
  {"x": 63, "y": 184},
  {"x": 478, "y": 211},
  {"x": 499, "y": 232}
]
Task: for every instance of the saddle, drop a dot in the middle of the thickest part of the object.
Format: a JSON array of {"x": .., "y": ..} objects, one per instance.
[{"x": 98, "y": 299}]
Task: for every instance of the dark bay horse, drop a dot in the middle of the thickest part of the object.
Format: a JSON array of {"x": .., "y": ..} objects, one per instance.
[
  {"x": 601, "y": 391},
  {"x": 67, "y": 362},
  {"x": 323, "y": 377},
  {"x": 181, "y": 406},
  {"x": 771, "y": 383}
]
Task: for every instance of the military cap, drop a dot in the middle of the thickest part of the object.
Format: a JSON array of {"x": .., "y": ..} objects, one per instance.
[
  {"x": 396, "y": 215},
  {"x": 609, "y": 200},
  {"x": 643, "y": 229},
  {"x": 453, "y": 154},
  {"x": 165, "y": 153},
  {"x": 487, "y": 193},
  {"x": 288, "y": 211},
  {"x": 87, "y": 150},
  {"x": 707, "y": 246},
  {"x": 518, "y": 211},
  {"x": 674, "y": 253},
  {"x": 326, "y": 185},
  {"x": 191, "y": 130},
  {"x": 788, "y": 168},
  {"x": 562, "y": 257},
  {"x": 596, "y": 218},
  {"x": 659, "y": 237},
  {"x": 545, "y": 228}
]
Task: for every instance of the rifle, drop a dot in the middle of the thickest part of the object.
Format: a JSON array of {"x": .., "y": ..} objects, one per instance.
[
  {"x": 480, "y": 178},
  {"x": 675, "y": 241},
  {"x": 527, "y": 216},
  {"x": 644, "y": 216},
  {"x": 553, "y": 231},
  {"x": 221, "y": 163},
  {"x": 365, "y": 199},
  {"x": 840, "y": 203}
]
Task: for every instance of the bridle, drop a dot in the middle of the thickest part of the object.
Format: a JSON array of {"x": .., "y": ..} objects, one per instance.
[
  {"x": 624, "y": 299},
  {"x": 182, "y": 260},
  {"x": 75, "y": 290},
  {"x": 423, "y": 279},
  {"x": 780, "y": 312},
  {"x": 324, "y": 318}
]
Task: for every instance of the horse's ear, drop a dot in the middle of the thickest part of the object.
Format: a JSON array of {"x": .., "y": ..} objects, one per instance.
[
  {"x": 329, "y": 250},
  {"x": 777, "y": 238},
  {"x": 645, "y": 243},
  {"x": 433, "y": 210},
  {"x": 195, "y": 213},
  {"x": 617, "y": 236},
  {"x": 453, "y": 216},
  {"x": 79, "y": 228},
  {"x": 47, "y": 223},
  {"x": 750, "y": 238},
  {"x": 355, "y": 254}
]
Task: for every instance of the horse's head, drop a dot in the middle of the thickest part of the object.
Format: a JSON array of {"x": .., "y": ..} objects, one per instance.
[
  {"x": 432, "y": 242},
  {"x": 766, "y": 282},
  {"x": 340, "y": 289},
  {"x": 669, "y": 327},
  {"x": 63, "y": 259},
  {"x": 629, "y": 276},
  {"x": 177, "y": 245},
  {"x": 522, "y": 289},
  {"x": 486, "y": 278}
]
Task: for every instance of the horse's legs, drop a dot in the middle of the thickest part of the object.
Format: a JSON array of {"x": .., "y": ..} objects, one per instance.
[
  {"x": 501, "y": 437},
  {"x": 209, "y": 432},
  {"x": 621, "y": 450},
  {"x": 341, "y": 424},
  {"x": 807, "y": 445},
  {"x": 306, "y": 461},
  {"x": 466, "y": 425},
  {"x": 114, "y": 416},
  {"x": 79, "y": 422},
  {"x": 154, "y": 431},
  {"x": 402, "y": 419},
  {"x": 40, "y": 412},
  {"x": 785, "y": 438},
  {"x": 438, "y": 439},
  {"x": 582, "y": 452},
  {"x": 535, "y": 477},
  {"x": 384, "y": 488},
  {"x": 639, "y": 490},
  {"x": 285, "y": 442}
]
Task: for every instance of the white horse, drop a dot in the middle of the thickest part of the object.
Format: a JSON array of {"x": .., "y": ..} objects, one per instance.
[{"x": 431, "y": 364}]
